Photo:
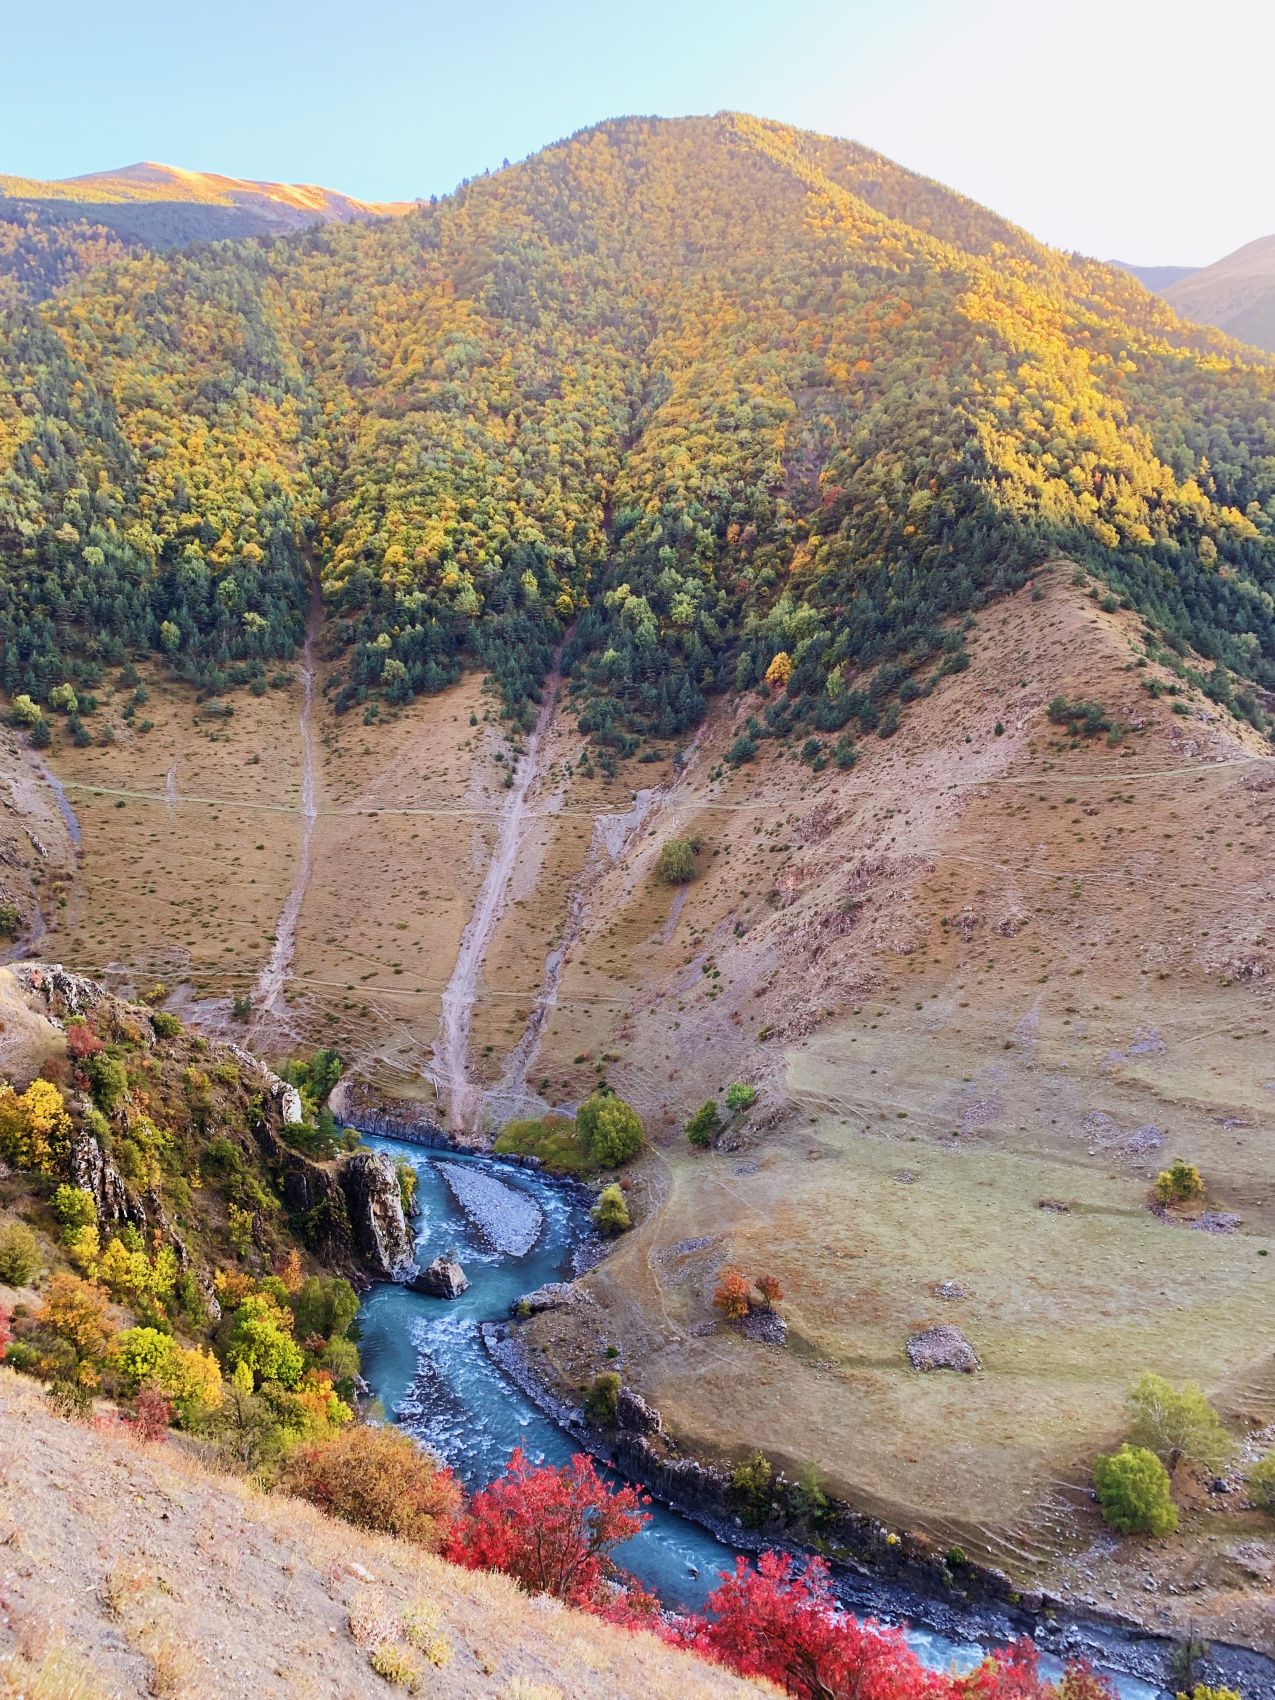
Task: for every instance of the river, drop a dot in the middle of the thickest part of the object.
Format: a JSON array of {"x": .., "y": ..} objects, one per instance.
[{"x": 425, "y": 1360}]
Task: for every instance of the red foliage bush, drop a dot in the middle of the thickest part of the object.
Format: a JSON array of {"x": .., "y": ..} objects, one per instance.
[
  {"x": 82, "y": 1045},
  {"x": 4, "y": 1333},
  {"x": 151, "y": 1415},
  {"x": 777, "y": 1622},
  {"x": 554, "y": 1531},
  {"x": 378, "y": 1478},
  {"x": 732, "y": 1296}
]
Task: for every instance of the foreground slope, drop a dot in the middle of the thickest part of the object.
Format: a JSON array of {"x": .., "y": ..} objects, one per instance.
[
  {"x": 1236, "y": 293},
  {"x": 131, "y": 1570}
]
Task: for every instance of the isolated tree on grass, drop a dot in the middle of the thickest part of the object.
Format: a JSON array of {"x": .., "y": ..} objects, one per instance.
[
  {"x": 705, "y": 1124},
  {"x": 732, "y": 1297},
  {"x": 676, "y": 864},
  {"x": 611, "y": 1213},
  {"x": 610, "y": 1128},
  {"x": 1177, "y": 1422},
  {"x": 1133, "y": 1492},
  {"x": 1179, "y": 1183}
]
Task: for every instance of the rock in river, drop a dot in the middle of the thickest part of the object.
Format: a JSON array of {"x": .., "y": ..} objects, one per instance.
[{"x": 442, "y": 1279}]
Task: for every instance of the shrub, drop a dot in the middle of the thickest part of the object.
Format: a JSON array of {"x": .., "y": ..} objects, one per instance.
[
  {"x": 379, "y": 1479},
  {"x": 751, "y": 1482},
  {"x": 35, "y": 1129},
  {"x": 740, "y": 1096},
  {"x": 151, "y": 1415},
  {"x": 81, "y": 1042},
  {"x": 1133, "y": 1492},
  {"x": 552, "y": 1530},
  {"x": 1260, "y": 1483},
  {"x": 109, "y": 1081},
  {"x": 770, "y": 1289},
  {"x": 166, "y": 1025},
  {"x": 4, "y": 1333},
  {"x": 74, "y": 1208},
  {"x": 610, "y": 1128},
  {"x": 398, "y": 1666},
  {"x": 19, "y": 1255},
  {"x": 601, "y": 1395},
  {"x": 676, "y": 864},
  {"x": 1177, "y": 1422},
  {"x": 185, "y": 1377},
  {"x": 1179, "y": 1183},
  {"x": 732, "y": 1296},
  {"x": 705, "y": 1124},
  {"x": 611, "y": 1213}
]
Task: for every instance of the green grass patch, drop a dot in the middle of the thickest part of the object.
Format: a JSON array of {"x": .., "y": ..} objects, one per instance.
[{"x": 551, "y": 1138}]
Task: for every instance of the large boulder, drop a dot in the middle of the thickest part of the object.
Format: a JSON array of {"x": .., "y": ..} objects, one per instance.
[
  {"x": 554, "y": 1295},
  {"x": 442, "y": 1279},
  {"x": 382, "y": 1238},
  {"x": 943, "y": 1347}
]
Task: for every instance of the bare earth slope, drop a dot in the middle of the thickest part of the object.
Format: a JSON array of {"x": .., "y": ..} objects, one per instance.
[
  {"x": 142, "y": 1573},
  {"x": 1236, "y": 293}
]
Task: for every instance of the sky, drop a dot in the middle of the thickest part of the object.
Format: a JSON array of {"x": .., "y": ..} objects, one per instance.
[{"x": 1129, "y": 129}]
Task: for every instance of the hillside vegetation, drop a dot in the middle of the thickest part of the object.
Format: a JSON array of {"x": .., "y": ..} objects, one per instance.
[
  {"x": 688, "y": 394},
  {"x": 51, "y": 232}
]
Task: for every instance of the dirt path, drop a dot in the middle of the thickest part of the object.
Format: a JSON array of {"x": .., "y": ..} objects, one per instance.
[
  {"x": 451, "y": 1049},
  {"x": 612, "y": 836},
  {"x": 268, "y": 993}
]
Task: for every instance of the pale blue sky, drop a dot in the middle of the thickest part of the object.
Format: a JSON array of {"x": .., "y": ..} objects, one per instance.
[{"x": 1130, "y": 128}]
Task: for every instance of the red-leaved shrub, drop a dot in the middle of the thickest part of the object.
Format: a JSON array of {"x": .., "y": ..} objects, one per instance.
[
  {"x": 554, "y": 1530},
  {"x": 4, "y": 1332},
  {"x": 151, "y": 1415}
]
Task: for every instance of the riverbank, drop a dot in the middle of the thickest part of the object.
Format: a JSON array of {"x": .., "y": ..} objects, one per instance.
[
  {"x": 877, "y": 1572},
  {"x": 901, "y": 1581}
]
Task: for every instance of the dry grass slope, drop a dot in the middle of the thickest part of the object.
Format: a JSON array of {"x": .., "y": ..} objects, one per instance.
[{"x": 132, "y": 1570}]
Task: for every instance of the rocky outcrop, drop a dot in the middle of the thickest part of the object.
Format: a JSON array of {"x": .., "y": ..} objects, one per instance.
[
  {"x": 442, "y": 1279},
  {"x": 96, "y": 1173},
  {"x": 943, "y": 1347},
  {"x": 554, "y": 1295},
  {"x": 381, "y": 1238},
  {"x": 635, "y": 1415}
]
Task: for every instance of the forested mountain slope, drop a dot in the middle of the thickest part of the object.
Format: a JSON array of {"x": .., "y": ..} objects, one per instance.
[
  {"x": 688, "y": 394},
  {"x": 53, "y": 231}
]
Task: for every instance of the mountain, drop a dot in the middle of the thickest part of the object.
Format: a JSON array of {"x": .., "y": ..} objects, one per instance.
[
  {"x": 1156, "y": 278},
  {"x": 52, "y": 231},
  {"x": 1237, "y": 293},
  {"x": 677, "y": 396}
]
